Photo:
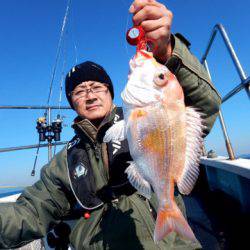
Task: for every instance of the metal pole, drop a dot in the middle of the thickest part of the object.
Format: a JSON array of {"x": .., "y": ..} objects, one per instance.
[
  {"x": 244, "y": 84},
  {"x": 2, "y": 150},
  {"x": 226, "y": 137},
  {"x": 207, "y": 69},
  {"x": 49, "y": 151},
  {"x": 223, "y": 126},
  {"x": 34, "y": 107},
  {"x": 214, "y": 32},
  {"x": 231, "y": 52},
  {"x": 49, "y": 142},
  {"x": 234, "y": 57}
]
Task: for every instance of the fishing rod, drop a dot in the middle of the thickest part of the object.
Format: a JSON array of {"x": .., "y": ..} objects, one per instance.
[
  {"x": 46, "y": 127},
  {"x": 51, "y": 130}
]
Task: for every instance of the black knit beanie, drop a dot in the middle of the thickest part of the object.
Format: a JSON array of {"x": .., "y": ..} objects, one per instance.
[{"x": 86, "y": 71}]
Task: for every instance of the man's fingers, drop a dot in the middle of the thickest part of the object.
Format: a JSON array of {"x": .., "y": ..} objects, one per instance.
[
  {"x": 159, "y": 34},
  {"x": 156, "y": 20},
  {"x": 151, "y": 25},
  {"x": 139, "y": 4},
  {"x": 148, "y": 12}
]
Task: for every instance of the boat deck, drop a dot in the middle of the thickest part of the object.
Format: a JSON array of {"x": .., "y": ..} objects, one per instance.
[{"x": 217, "y": 217}]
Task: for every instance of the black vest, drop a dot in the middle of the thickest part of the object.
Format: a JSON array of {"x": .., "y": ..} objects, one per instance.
[{"x": 81, "y": 173}]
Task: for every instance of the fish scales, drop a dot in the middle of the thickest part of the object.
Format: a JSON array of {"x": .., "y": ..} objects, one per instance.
[
  {"x": 152, "y": 148},
  {"x": 161, "y": 148}
]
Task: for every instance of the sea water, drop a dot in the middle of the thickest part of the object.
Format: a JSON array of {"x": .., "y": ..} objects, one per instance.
[{"x": 6, "y": 191}]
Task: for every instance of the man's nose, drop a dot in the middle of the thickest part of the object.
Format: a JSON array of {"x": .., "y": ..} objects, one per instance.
[{"x": 91, "y": 100}]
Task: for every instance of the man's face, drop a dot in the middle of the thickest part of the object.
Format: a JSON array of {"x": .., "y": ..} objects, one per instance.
[{"x": 92, "y": 100}]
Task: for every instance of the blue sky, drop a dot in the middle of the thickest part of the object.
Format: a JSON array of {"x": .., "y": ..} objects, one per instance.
[{"x": 29, "y": 36}]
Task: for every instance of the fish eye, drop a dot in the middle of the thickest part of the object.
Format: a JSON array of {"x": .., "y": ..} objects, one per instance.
[{"x": 161, "y": 76}]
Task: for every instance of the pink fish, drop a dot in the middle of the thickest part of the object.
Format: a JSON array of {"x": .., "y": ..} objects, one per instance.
[{"x": 165, "y": 140}]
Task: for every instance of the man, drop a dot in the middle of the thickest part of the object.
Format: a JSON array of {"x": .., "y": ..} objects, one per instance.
[{"x": 86, "y": 179}]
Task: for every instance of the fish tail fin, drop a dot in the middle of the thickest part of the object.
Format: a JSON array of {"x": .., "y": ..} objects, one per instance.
[{"x": 171, "y": 220}]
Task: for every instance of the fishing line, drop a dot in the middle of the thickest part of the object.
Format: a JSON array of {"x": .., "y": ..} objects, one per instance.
[
  {"x": 126, "y": 44},
  {"x": 73, "y": 36},
  {"x": 126, "y": 28},
  {"x": 76, "y": 53},
  {"x": 62, "y": 77}
]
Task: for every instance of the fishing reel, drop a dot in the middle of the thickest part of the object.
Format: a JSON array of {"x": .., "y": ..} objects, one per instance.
[
  {"x": 57, "y": 128},
  {"x": 41, "y": 126},
  {"x": 51, "y": 131}
]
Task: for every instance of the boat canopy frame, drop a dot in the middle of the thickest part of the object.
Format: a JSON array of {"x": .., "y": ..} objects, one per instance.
[{"x": 244, "y": 84}]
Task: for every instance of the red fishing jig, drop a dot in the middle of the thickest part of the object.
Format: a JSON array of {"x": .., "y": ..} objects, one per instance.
[{"x": 136, "y": 36}]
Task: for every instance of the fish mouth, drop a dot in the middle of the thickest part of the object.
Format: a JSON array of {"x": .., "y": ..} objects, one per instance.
[
  {"x": 132, "y": 101},
  {"x": 142, "y": 105}
]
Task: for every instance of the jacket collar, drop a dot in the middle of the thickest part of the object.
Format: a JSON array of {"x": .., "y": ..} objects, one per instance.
[{"x": 85, "y": 127}]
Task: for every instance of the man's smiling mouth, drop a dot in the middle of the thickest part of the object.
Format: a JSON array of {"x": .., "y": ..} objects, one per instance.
[{"x": 92, "y": 107}]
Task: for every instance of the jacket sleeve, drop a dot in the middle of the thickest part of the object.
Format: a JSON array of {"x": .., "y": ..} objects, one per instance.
[
  {"x": 38, "y": 208},
  {"x": 198, "y": 90}
]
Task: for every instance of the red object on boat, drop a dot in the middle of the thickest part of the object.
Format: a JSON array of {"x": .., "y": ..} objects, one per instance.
[{"x": 86, "y": 215}]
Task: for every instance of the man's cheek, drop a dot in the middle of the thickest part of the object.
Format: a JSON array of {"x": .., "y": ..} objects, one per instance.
[{"x": 79, "y": 105}]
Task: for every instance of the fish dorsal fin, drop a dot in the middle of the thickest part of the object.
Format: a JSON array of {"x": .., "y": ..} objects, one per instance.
[
  {"x": 115, "y": 132},
  {"x": 137, "y": 181},
  {"x": 194, "y": 142}
]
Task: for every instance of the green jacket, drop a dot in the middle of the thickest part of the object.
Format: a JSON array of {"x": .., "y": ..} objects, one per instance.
[{"x": 124, "y": 224}]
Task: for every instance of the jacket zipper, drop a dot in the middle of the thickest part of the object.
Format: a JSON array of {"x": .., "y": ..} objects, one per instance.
[{"x": 97, "y": 150}]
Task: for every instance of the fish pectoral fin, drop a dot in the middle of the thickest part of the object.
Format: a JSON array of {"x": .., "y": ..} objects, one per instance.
[
  {"x": 137, "y": 181},
  {"x": 116, "y": 132},
  {"x": 194, "y": 143}
]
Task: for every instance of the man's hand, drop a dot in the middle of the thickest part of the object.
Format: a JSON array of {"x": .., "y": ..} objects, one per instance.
[{"x": 156, "y": 21}]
